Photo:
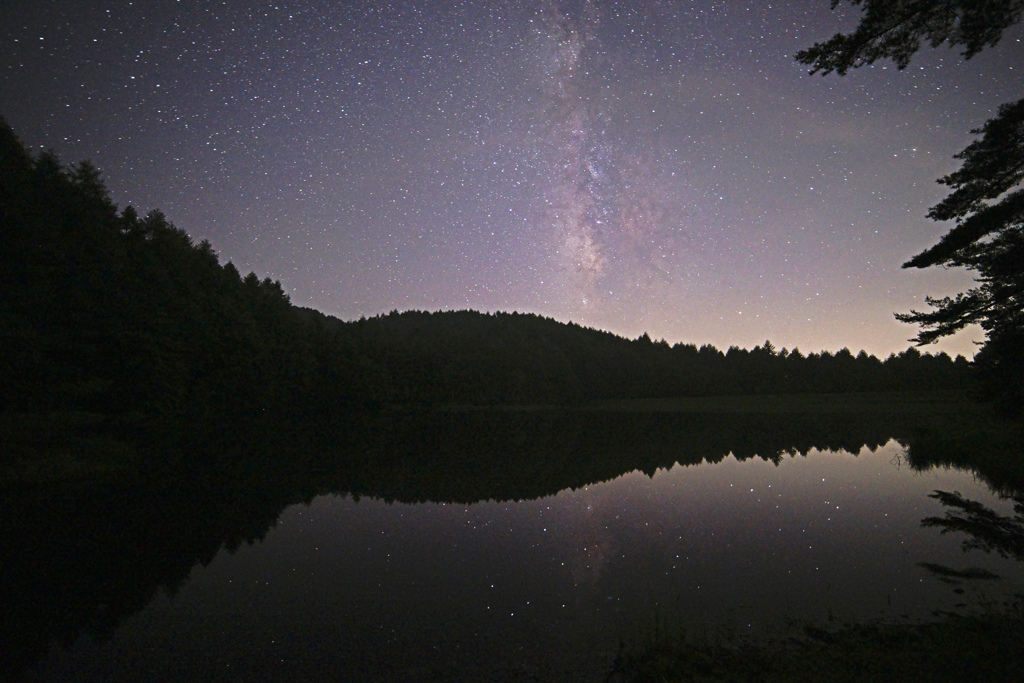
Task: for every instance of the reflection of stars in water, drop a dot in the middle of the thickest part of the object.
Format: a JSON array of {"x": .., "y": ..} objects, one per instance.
[{"x": 593, "y": 539}]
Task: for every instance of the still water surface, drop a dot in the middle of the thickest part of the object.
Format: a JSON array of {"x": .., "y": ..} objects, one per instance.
[{"x": 546, "y": 589}]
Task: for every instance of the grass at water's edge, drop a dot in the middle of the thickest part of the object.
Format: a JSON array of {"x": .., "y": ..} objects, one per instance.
[
  {"x": 943, "y": 402},
  {"x": 958, "y": 648}
]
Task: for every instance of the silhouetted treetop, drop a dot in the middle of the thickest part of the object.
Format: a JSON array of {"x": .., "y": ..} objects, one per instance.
[
  {"x": 895, "y": 29},
  {"x": 992, "y": 165},
  {"x": 986, "y": 202}
]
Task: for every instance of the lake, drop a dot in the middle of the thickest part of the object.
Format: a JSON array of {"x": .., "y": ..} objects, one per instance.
[{"x": 413, "y": 578}]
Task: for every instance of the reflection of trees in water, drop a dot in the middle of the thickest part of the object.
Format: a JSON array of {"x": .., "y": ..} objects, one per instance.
[
  {"x": 980, "y": 443},
  {"x": 81, "y": 561},
  {"x": 469, "y": 456},
  {"x": 987, "y": 529}
]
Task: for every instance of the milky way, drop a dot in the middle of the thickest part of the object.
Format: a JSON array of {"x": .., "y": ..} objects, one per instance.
[
  {"x": 650, "y": 166},
  {"x": 600, "y": 202}
]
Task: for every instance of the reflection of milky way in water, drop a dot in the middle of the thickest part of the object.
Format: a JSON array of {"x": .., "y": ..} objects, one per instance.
[
  {"x": 374, "y": 591},
  {"x": 605, "y": 206},
  {"x": 595, "y": 545}
]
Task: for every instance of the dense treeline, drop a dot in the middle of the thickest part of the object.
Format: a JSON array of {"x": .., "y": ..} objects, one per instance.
[
  {"x": 469, "y": 357},
  {"x": 111, "y": 313},
  {"x": 117, "y": 314}
]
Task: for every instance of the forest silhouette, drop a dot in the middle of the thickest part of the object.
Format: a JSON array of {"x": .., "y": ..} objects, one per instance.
[{"x": 113, "y": 319}]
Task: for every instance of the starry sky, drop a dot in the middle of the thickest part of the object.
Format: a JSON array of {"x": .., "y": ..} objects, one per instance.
[{"x": 637, "y": 166}]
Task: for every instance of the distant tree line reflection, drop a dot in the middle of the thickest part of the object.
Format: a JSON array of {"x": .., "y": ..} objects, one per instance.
[{"x": 80, "y": 556}]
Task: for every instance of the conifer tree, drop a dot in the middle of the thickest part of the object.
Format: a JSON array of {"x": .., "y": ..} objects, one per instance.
[{"x": 986, "y": 203}]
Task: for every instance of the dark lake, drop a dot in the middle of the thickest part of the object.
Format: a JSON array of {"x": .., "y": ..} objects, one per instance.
[{"x": 392, "y": 568}]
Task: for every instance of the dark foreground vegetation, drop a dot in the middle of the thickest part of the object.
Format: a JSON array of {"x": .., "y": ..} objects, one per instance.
[{"x": 956, "y": 649}]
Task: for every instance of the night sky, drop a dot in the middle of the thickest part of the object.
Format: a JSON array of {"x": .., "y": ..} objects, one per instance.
[{"x": 632, "y": 166}]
